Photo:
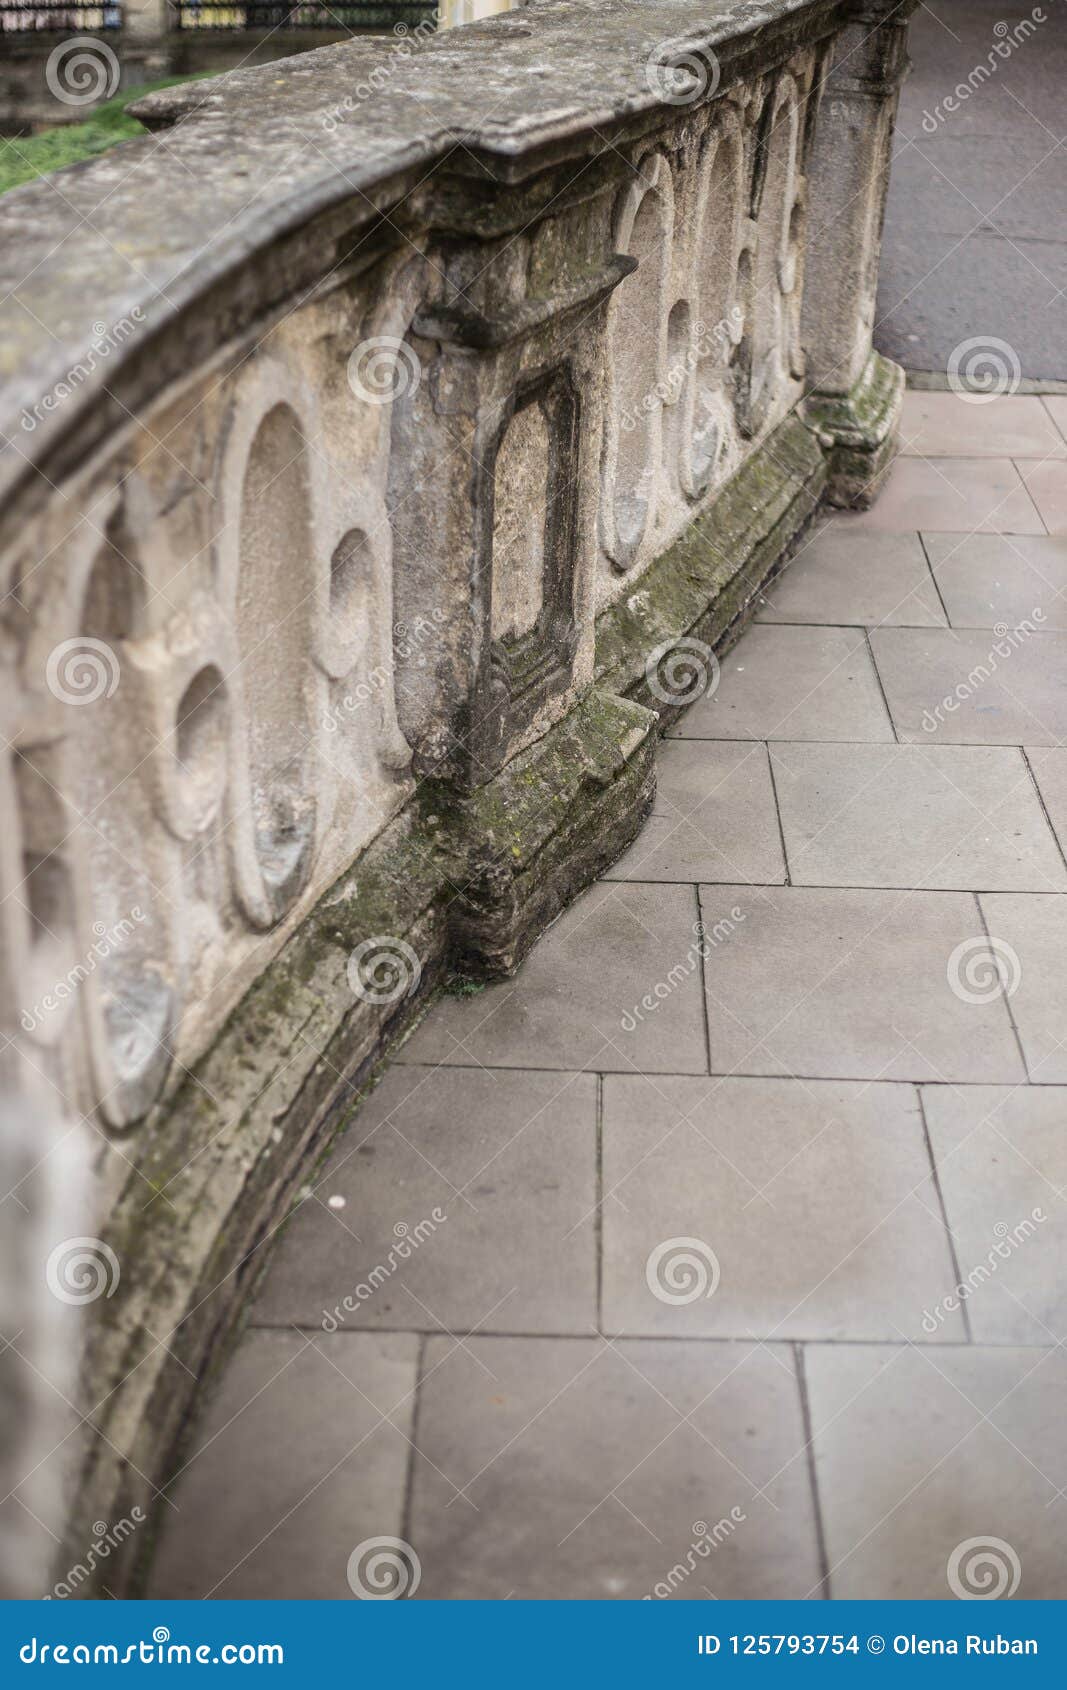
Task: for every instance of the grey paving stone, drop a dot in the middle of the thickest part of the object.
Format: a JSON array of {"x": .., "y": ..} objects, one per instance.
[
  {"x": 792, "y": 683},
  {"x": 973, "y": 687},
  {"x": 1001, "y": 1156},
  {"x": 715, "y": 817},
  {"x": 1056, "y": 406},
  {"x": 1047, "y": 486},
  {"x": 1034, "y": 930},
  {"x": 769, "y": 1209},
  {"x": 908, "y": 1469},
  {"x": 1049, "y": 767},
  {"x": 850, "y": 985},
  {"x": 964, "y": 424},
  {"x": 866, "y": 580},
  {"x": 962, "y": 495},
  {"x": 570, "y": 1006},
  {"x": 302, "y": 1454},
  {"x": 933, "y": 816},
  {"x": 459, "y": 1198},
  {"x": 582, "y": 1478},
  {"x": 990, "y": 580}
]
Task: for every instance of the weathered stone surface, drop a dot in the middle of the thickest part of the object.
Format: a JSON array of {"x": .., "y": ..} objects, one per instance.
[{"x": 344, "y": 562}]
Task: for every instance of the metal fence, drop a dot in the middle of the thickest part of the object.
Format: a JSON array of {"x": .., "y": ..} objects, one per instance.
[
  {"x": 308, "y": 14},
  {"x": 56, "y": 17}
]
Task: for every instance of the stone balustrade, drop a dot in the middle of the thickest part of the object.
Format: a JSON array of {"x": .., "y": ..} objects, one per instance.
[{"x": 393, "y": 437}]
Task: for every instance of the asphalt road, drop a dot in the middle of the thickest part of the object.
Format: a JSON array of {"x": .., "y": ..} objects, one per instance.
[{"x": 976, "y": 227}]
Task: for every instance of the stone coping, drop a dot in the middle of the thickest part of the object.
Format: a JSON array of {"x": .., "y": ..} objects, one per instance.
[{"x": 145, "y": 232}]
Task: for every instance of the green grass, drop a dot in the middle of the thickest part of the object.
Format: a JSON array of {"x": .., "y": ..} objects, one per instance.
[{"x": 37, "y": 155}]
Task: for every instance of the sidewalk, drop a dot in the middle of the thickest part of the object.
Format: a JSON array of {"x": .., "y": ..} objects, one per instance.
[{"x": 651, "y": 1260}]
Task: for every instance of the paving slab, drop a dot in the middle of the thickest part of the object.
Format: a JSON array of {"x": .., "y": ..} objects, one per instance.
[
  {"x": 1056, "y": 406},
  {"x": 927, "y": 816},
  {"x": 581, "y": 1478},
  {"x": 302, "y": 1454},
  {"x": 1001, "y": 580},
  {"x": 863, "y": 580},
  {"x": 958, "y": 494},
  {"x": 1047, "y": 486},
  {"x": 570, "y": 1006},
  {"x": 459, "y": 1198},
  {"x": 769, "y": 1209},
  {"x": 966, "y": 424},
  {"x": 1048, "y": 765},
  {"x": 1001, "y": 1154},
  {"x": 974, "y": 687},
  {"x": 913, "y": 1480},
  {"x": 792, "y": 683},
  {"x": 850, "y": 985},
  {"x": 715, "y": 817},
  {"x": 1032, "y": 932}
]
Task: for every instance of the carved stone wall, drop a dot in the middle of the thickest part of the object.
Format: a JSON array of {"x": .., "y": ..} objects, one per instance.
[{"x": 350, "y": 519}]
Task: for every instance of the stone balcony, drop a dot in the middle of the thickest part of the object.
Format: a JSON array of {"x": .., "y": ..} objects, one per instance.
[{"x": 387, "y": 467}]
